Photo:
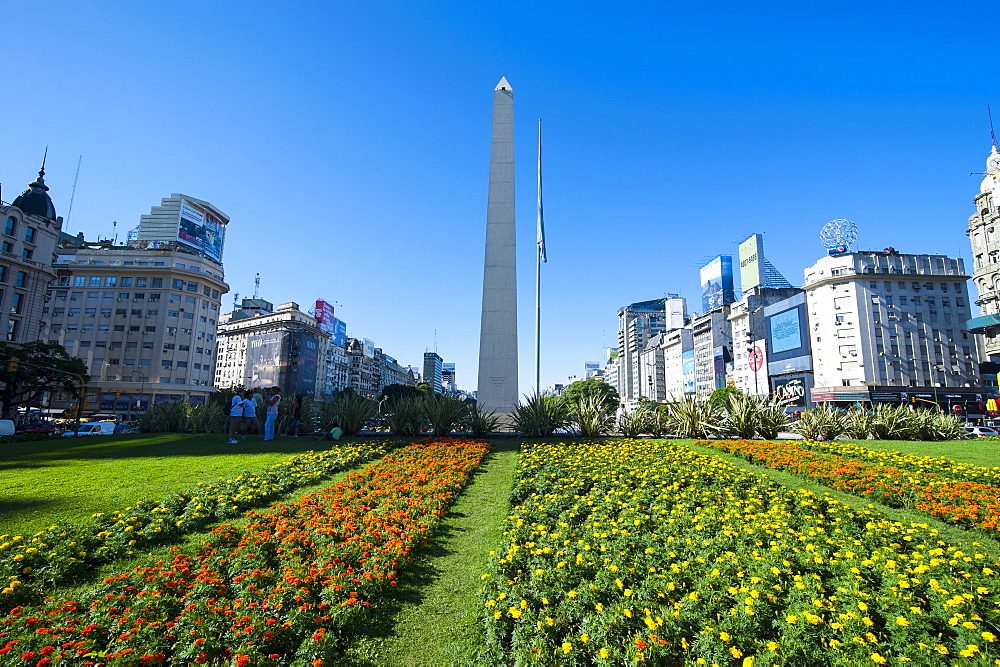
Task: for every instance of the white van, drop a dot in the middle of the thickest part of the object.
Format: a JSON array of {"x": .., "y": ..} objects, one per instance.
[
  {"x": 92, "y": 428},
  {"x": 6, "y": 427}
]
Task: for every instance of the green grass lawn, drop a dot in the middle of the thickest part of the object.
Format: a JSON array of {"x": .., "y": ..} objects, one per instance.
[
  {"x": 975, "y": 452},
  {"x": 61, "y": 480}
]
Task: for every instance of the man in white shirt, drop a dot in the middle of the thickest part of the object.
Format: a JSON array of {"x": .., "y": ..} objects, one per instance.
[
  {"x": 235, "y": 416},
  {"x": 250, "y": 414}
]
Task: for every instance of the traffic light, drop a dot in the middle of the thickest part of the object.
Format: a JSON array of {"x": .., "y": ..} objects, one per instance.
[
  {"x": 118, "y": 395},
  {"x": 12, "y": 364}
]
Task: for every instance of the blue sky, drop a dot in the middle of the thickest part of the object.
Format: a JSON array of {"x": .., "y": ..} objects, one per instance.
[{"x": 349, "y": 143}]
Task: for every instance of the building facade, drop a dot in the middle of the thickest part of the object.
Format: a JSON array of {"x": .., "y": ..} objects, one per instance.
[
  {"x": 260, "y": 346},
  {"x": 746, "y": 317},
  {"x": 27, "y": 248},
  {"x": 433, "y": 371},
  {"x": 984, "y": 226},
  {"x": 678, "y": 364},
  {"x": 712, "y": 338},
  {"x": 888, "y": 318},
  {"x": 637, "y": 324}
]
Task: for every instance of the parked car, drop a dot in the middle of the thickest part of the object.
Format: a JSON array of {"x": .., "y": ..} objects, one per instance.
[
  {"x": 980, "y": 432},
  {"x": 47, "y": 430},
  {"x": 92, "y": 428}
]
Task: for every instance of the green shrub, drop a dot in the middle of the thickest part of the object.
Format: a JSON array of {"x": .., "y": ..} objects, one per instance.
[
  {"x": 822, "y": 423},
  {"x": 592, "y": 416},
  {"x": 691, "y": 417},
  {"x": 539, "y": 416},
  {"x": 481, "y": 422}
]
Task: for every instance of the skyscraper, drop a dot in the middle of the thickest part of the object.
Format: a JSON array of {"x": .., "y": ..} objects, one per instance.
[{"x": 498, "y": 332}]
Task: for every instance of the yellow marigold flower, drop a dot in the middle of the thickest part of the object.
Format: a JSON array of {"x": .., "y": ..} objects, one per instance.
[
  {"x": 791, "y": 619},
  {"x": 724, "y": 636},
  {"x": 989, "y": 636},
  {"x": 628, "y": 612},
  {"x": 901, "y": 620},
  {"x": 748, "y": 661},
  {"x": 603, "y": 653},
  {"x": 585, "y": 638},
  {"x": 878, "y": 659},
  {"x": 567, "y": 647}
]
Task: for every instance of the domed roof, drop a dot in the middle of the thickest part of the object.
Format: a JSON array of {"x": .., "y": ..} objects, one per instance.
[{"x": 36, "y": 198}]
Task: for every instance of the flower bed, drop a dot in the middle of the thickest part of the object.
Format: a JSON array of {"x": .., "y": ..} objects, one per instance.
[
  {"x": 933, "y": 465},
  {"x": 967, "y": 504},
  {"x": 646, "y": 551},
  {"x": 286, "y": 586},
  {"x": 30, "y": 565}
]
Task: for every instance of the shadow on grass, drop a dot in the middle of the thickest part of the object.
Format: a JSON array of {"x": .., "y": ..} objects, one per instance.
[{"x": 8, "y": 507}]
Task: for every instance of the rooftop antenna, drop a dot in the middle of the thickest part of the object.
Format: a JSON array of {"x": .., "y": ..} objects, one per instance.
[
  {"x": 435, "y": 341},
  {"x": 256, "y": 286},
  {"x": 72, "y": 195},
  {"x": 993, "y": 135},
  {"x": 114, "y": 233},
  {"x": 236, "y": 300}
]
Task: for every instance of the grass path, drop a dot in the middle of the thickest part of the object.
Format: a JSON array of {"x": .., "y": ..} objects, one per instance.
[{"x": 432, "y": 619}]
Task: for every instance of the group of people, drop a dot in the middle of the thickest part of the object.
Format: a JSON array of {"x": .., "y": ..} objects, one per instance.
[{"x": 243, "y": 413}]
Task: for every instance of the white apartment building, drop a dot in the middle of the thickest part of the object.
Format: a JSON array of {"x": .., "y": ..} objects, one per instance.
[
  {"x": 676, "y": 343},
  {"x": 651, "y": 370},
  {"x": 746, "y": 317},
  {"x": 890, "y": 319},
  {"x": 713, "y": 348},
  {"x": 984, "y": 226},
  {"x": 260, "y": 346}
]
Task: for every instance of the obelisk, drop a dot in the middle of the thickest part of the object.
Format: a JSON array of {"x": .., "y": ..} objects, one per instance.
[{"x": 498, "y": 331}]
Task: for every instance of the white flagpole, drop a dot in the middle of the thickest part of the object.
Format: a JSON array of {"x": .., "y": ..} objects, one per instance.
[{"x": 539, "y": 257}]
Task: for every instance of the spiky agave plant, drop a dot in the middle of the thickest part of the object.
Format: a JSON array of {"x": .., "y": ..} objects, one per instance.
[
  {"x": 443, "y": 412},
  {"x": 691, "y": 417},
  {"x": 481, "y": 422},
  {"x": 406, "y": 417},
  {"x": 822, "y": 423},
  {"x": 894, "y": 422},
  {"x": 631, "y": 424},
  {"x": 353, "y": 411},
  {"x": 539, "y": 416},
  {"x": 591, "y": 417},
  {"x": 772, "y": 417},
  {"x": 742, "y": 415}
]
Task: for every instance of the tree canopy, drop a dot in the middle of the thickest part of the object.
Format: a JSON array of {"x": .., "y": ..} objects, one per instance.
[
  {"x": 394, "y": 392},
  {"x": 41, "y": 367},
  {"x": 587, "y": 388}
]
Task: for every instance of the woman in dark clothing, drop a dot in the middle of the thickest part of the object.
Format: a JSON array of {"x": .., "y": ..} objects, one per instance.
[{"x": 296, "y": 419}]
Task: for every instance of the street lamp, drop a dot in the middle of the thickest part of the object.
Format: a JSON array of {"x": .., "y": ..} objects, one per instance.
[
  {"x": 142, "y": 387},
  {"x": 940, "y": 369}
]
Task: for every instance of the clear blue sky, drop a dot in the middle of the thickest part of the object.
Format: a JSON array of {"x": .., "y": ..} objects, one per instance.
[{"x": 349, "y": 143}]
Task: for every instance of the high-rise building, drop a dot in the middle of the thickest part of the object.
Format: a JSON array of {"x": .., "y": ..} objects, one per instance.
[
  {"x": 448, "y": 378},
  {"x": 498, "y": 389},
  {"x": 884, "y": 318},
  {"x": 637, "y": 324},
  {"x": 260, "y": 346},
  {"x": 746, "y": 316},
  {"x": 30, "y": 234},
  {"x": 984, "y": 226},
  {"x": 433, "y": 371},
  {"x": 712, "y": 337}
]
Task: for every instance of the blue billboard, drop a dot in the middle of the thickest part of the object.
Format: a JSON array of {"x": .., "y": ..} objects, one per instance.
[
  {"x": 717, "y": 287},
  {"x": 786, "y": 334},
  {"x": 687, "y": 368},
  {"x": 338, "y": 333}
]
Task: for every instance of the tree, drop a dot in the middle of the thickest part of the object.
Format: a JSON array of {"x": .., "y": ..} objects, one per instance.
[
  {"x": 720, "y": 397},
  {"x": 29, "y": 370},
  {"x": 394, "y": 392},
  {"x": 607, "y": 394}
]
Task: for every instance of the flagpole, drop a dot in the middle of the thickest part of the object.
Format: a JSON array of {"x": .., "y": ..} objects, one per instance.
[{"x": 539, "y": 250}]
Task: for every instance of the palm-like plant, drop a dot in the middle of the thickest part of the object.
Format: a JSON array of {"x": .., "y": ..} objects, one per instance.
[
  {"x": 406, "y": 417},
  {"x": 481, "y": 422},
  {"x": 443, "y": 412},
  {"x": 353, "y": 411},
  {"x": 539, "y": 416},
  {"x": 859, "y": 423},
  {"x": 631, "y": 424},
  {"x": 690, "y": 417},
  {"x": 772, "y": 418},
  {"x": 742, "y": 414},
  {"x": 591, "y": 416},
  {"x": 822, "y": 423},
  {"x": 892, "y": 422}
]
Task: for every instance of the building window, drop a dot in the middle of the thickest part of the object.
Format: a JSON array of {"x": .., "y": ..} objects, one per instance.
[
  {"x": 12, "y": 328},
  {"x": 29, "y": 235},
  {"x": 7, "y": 246},
  {"x": 9, "y": 231},
  {"x": 126, "y": 282},
  {"x": 140, "y": 282},
  {"x": 21, "y": 280},
  {"x": 95, "y": 281},
  {"x": 16, "y": 304},
  {"x": 154, "y": 297},
  {"x": 192, "y": 287},
  {"x": 27, "y": 253}
]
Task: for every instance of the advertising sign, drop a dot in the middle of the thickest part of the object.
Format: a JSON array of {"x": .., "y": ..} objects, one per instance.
[
  {"x": 201, "y": 230},
  {"x": 305, "y": 358},
  {"x": 263, "y": 360},
  {"x": 323, "y": 312},
  {"x": 717, "y": 283},
  {"x": 369, "y": 348},
  {"x": 786, "y": 334},
  {"x": 687, "y": 368},
  {"x": 751, "y": 266},
  {"x": 755, "y": 357},
  {"x": 339, "y": 333},
  {"x": 792, "y": 390}
]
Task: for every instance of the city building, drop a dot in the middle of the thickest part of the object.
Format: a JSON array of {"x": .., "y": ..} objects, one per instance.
[
  {"x": 712, "y": 338},
  {"x": 364, "y": 377},
  {"x": 746, "y": 317},
  {"x": 984, "y": 226},
  {"x": 788, "y": 350},
  {"x": 885, "y": 319},
  {"x": 652, "y": 370},
  {"x": 260, "y": 346},
  {"x": 678, "y": 363},
  {"x": 433, "y": 371},
  {"x": 27, "y": 248},
  {"x": 448, "y": 378},
  {"x": 638, "y": 323}
]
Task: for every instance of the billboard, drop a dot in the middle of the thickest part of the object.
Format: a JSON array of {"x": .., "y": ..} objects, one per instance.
[
  {"x": 717, "y": 283},
  {"x": 793, "y": 389},
  {"x": 751, "y": 267},
  {"x": 323, "y": 312},
  {"x": 369, "y": 347},
  {"x": 687, "y": 369},
  {"x": 201, "y": 230},
  {"x": 786, "y": 331},
  {"x": 263, "y": 360},
  {"x": 338, "y": 336},
  {"x": 304, "y": 355}
]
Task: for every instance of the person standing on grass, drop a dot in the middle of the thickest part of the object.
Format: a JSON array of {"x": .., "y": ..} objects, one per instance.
[
  {"x": 272, "y": 413},
  {"x": 293, "y": 424},
  {"x": 235, "y": 416},
  {"x": 250, "y": 414}
]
